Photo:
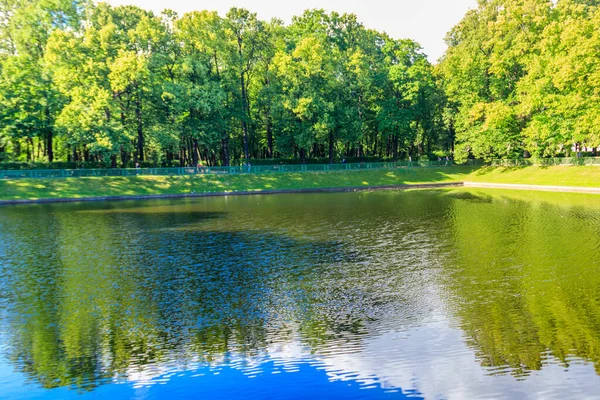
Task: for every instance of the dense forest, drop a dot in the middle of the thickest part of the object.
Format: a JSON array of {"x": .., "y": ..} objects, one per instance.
[{"x": 84, "y": 82}]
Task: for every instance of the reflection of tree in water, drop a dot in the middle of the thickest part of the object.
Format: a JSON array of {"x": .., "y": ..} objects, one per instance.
[
  {"x": 527, "y": 285},
  {"x": 98, "y": 297},
  {"x": 31, "y": 293},
  {"x": 135, "y": 287}
]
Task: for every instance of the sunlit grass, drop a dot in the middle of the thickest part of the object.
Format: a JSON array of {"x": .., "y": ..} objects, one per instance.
[
  {"x": 156, "y": 185},
  {"x": 586, "y": 176}
]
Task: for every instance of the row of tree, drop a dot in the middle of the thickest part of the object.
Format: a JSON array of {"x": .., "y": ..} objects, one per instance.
[
  {"x": 523, "y": 77},
  {"x": 122, "y": 85}
]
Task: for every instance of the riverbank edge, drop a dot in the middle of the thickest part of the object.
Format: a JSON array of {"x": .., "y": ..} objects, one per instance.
[
  {"x": 539, "y": 188},
  {"x": 234, "y": 193},
  {"x": 441, "y": 185}
]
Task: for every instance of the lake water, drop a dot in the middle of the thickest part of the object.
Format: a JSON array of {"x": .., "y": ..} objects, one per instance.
[{"x": 426, "y": 294}]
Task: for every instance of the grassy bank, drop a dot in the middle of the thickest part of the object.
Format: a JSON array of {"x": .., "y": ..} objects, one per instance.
[
  {"x": 586, "y": 176},
  {"x": 153, "y": 185},
  {"x": 156, "y": 185}
]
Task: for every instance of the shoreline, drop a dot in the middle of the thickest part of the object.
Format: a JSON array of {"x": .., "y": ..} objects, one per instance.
[
  {"x": 234, "y": 193},
  {"x": 538, "y": 188},
  {"x": 440, "y": 185}
]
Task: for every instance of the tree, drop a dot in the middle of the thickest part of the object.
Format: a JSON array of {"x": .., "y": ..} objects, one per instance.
[
  {"x": 28, "y": 96},
  {"x": 199, "y": 88},
  {"x": 244, "y": 32}
]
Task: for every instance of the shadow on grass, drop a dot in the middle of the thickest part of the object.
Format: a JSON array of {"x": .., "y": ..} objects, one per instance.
[
  {"x": 490, "y": 169},
  {"x": 130, "y": 186},
  {"x": 433, "y": 175}
]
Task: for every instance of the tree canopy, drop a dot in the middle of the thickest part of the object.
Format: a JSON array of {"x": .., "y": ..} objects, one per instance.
[
  {"x": 122, "y": 85},
  {"x": 522, "y": 78}
]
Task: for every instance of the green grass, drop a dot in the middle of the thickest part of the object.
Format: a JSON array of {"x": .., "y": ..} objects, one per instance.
[
  {"x": 152, "y": 185},
  {"x": 149, "y": 185},
  {"x": 587, "y": 176}
]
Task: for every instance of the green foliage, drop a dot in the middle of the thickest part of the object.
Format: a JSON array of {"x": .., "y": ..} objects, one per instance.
[
  {"x": 129, "y": 86},
  {"x": 522, "y": 77},
  {"x": 29, "y": 100}
]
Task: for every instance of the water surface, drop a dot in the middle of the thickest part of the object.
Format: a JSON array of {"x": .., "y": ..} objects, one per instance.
[{"x": 424, "y": 294}]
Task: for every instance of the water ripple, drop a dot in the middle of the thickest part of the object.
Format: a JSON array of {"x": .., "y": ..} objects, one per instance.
[{"x": 422, "y": 294}]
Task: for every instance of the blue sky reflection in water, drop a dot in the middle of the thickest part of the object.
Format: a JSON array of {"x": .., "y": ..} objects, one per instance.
[{"x": 450, "y": 294}]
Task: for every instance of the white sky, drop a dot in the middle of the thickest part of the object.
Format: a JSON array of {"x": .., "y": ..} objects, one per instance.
[{"x": 426, "y": 21}]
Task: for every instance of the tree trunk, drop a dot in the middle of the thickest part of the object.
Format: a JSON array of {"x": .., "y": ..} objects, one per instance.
[
  {"x": 195, "y": 150},
  {"x": 17, "y": 147},
  {"x": 140, "y": 128},
  {"x": 375, "y": 144},
  {"x": 123, "y": 157},
  {"x": 209, "y": 162},
  {"x": 269, "y": 121},
  {"x": 225, "y": 147},
  {"x": 183, "y": 158},
  {"x": 330, "y": 147},
  {"x": 244, "y": 121},
  {"x": 387, "y": 146},
  {"x": 49, "y": 147},
  {"x": 190, "y": 151},
  {"x": 269, "y": 138},
  {"x": 303, "y": 156}
]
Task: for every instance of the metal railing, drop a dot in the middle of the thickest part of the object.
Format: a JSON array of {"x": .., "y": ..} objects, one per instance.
[
  {"x": 179, "y": 171},
  {"x": 546, "y": 162}
]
